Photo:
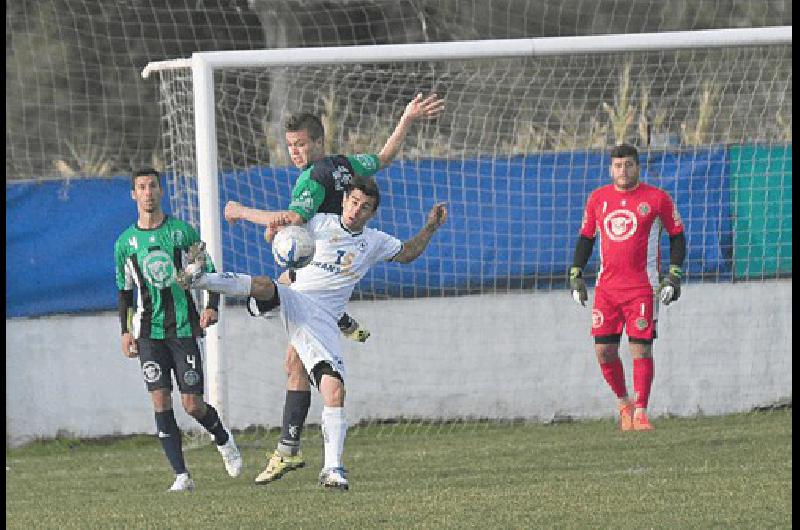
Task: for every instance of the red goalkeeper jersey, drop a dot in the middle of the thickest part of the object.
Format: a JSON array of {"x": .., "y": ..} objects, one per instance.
[{"x": 630, "y": 225}]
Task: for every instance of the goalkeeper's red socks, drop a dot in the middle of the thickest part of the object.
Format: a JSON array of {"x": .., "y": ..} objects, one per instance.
[
  {"x": 614, "y": 375},
  {"x": 642, "y": 381}
]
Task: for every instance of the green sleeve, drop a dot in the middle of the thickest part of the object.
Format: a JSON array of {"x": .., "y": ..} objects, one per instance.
[
  {"x": 307, "y": 196},
  {"x": 119, "y": 265},
  {"x": 365, "y": 165}
]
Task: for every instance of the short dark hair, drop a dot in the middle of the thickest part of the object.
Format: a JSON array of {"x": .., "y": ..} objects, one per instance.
[
  {"x": 145, "y": 172},
  {"x": 625, "y": 151},
  {"x": 305, "y": 122},
  {"x": 367, "y": 186}
]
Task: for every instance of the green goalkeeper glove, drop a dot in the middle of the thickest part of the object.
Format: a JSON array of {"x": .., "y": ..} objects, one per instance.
[
  {"x": 669, "y": 290},
  {"x": 352, "y": 329},
  {"x": 578, "y": 286}
]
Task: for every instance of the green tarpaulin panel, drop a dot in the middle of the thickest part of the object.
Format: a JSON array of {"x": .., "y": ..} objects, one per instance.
[{"x": 761, "y": 185}]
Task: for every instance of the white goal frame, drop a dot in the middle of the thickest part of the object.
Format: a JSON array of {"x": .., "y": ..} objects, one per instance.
[{"x": 203, "y": 66}]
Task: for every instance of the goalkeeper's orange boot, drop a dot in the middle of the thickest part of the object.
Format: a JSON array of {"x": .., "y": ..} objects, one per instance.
[
  {"x": 626, "y": 417},
  {"x": 641, "y": 422}
]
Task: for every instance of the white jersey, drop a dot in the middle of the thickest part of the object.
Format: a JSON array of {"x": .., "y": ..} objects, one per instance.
[
  {"x": 311, "y": 307},
  {"x": 341, "y": 259}
]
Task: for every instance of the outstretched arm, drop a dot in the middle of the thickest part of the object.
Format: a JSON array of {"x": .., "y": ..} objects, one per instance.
[
  {"x": 236, "y": 212},
  {"x": 417, "y": 244},
  {"x": 429, "y": 107}
]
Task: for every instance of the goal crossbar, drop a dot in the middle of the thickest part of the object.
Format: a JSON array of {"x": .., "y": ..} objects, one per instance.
[{"x": 484, "y": 49}]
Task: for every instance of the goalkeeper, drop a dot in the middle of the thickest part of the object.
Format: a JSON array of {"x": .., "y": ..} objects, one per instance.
[
  {"x": 319, "y": 189},
  {"x": 629, "y": 217}
]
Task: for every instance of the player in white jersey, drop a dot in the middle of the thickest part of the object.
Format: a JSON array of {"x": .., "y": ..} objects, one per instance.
[{"x": 311, "y": 307}]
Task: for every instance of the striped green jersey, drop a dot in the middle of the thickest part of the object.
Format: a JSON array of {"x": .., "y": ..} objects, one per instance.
[
  {"x": 320, "y": 187},
  {"x": 148, "y": 260}
]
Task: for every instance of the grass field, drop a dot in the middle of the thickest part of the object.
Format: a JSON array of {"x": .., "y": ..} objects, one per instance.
[{"x": 722, "y": 472}]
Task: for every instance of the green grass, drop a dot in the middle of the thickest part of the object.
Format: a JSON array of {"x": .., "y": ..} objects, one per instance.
[{"x": 712, "y": 472}]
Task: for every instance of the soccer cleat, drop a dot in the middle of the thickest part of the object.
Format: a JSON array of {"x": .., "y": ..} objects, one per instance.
[
  {"x": 626, "y": 417},
  {"x": 641, "y": 422},
  {"x": 183, "y": 482},
  {"x": 359, "y": 335},
  {"x": 231, "y": 456},
  {"x": 279, "y": 464},
  {"x": 351, "y": 329},
  {"x": 335, "y": 477},
  {"x": 196, "y": 256}
]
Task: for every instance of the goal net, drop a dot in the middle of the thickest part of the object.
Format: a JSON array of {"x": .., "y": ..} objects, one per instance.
[{"x": 521, "y": 144}]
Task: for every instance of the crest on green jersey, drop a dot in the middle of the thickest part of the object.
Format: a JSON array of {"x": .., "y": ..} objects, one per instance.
[
  {"x": 367, "y": 161},
  {"x": 158, "y": 269},
  {"x": 177, "y": 238}
]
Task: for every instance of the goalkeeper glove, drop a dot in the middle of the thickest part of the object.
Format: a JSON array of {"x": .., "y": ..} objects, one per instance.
[
  {"x": 670, "y": 288},
  {"x": 578, "y": 286},
  {"x": 352, "y": 329}
]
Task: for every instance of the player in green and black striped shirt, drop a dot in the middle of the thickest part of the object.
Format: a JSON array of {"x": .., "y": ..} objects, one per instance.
[
  {"x": 319, "y": 189},
  {"x": 165, "y": 327}
]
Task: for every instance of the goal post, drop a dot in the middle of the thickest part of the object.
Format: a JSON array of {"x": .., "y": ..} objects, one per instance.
[{"x": 196, "y": 76}]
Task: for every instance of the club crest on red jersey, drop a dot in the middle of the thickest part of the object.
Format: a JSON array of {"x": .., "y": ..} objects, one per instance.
[{"x": 619, "y": 225}]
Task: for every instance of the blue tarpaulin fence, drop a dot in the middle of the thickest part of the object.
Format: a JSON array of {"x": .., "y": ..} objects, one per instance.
[{"x": 506, "y": 231}]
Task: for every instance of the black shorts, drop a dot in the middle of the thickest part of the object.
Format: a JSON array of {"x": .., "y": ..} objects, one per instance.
[{"x": 160, "y": 357}]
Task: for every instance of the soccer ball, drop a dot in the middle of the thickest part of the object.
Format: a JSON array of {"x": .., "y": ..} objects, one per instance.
[{"x": 293, "y": 247}]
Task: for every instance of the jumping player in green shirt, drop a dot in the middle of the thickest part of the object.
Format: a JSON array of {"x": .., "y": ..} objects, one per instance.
[{"x": 319, "y": 189}]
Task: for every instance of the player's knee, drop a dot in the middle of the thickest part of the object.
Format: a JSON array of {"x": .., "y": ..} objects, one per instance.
[
  {"x": 194, "y": 405},
  {"x": 607, "y": 348},
  {"x": 640, "y": 348},
  {"x": 257, "y": 305},
  {"x": 162, "y": 399},
  {"x": 332, "y": 386},
  {"x": 297, "y": 379},
  {"x": 333, "y": 392},
  {"x": 263, "y": 288}
]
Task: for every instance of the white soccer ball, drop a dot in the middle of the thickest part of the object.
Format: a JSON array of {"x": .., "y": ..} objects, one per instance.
[{"x": 293, "y": 247}]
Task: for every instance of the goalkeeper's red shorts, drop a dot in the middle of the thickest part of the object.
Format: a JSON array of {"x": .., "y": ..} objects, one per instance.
[{"x": 632, "y": 309}]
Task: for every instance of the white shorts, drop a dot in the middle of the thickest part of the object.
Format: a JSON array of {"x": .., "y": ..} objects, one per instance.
[{"x": 312, "y": 331}]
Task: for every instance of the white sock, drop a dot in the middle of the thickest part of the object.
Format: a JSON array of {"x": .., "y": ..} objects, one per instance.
[
  {"x": 225, "y": 283},
  {"x": 334, "y": 431}
]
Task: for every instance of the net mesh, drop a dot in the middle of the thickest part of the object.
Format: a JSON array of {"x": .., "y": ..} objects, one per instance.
[
  {"x": 76, "y": 105},
  {"x": 521, "y": 145}
]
